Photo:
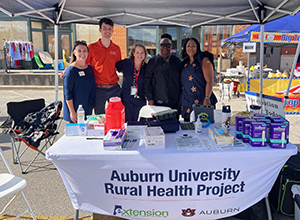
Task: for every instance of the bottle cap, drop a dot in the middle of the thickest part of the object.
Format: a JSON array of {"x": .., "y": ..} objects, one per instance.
[
  {"x": 115, "y": 99},
  {"x": 254, "y": 107},
  {"x": 226, "y": 108}
]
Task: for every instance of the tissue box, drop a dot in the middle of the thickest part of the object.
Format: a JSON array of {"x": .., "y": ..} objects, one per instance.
[
  {"x": 72, "y": 129},
  {"x": 239, "y": 126},
  {"x": 287, "y": 123},
  {"x": 154, "y": 138},
  {"x": 278, "y": 135},
  {"x": 95, "y": 125},
  {"x": 258, "y": 134},
  {"x": 95, "y": 130},
  {"x": 220, "y": 137},
  {"x": 114, "y": 138},
  {"x": 246, "y": 130}
]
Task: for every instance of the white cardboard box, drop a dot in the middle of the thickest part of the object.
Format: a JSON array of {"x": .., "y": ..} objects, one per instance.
[
  {"x": 136, "y": 131},
  {"x": 220, "y": 136},
  {"x": 154, "y": 138},
  {"x": 95, "y": 130}
]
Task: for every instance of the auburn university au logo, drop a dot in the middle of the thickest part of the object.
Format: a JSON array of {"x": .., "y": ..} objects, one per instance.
[{"x": 188, "y": 212}]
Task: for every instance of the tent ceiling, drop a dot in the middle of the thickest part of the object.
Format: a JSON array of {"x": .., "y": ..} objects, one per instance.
[{"x": 189, "y": 13}]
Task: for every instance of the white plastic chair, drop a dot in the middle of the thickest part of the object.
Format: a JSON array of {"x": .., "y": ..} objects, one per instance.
[
  {"x": 12, "y": 185},
  {"x": 147, "y": 110},
  {"x": 225, "y": 89}
]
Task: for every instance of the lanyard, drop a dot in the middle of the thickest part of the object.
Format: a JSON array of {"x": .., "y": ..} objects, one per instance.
[{"x": 136, "y": 75}]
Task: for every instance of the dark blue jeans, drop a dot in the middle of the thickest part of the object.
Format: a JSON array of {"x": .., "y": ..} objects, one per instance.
[{"x": 102, "y": 95}]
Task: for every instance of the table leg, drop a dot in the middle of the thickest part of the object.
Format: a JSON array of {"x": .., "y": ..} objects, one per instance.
[
  {"x": 76, "y": 214},
  {"x": 268, "y": 208}
]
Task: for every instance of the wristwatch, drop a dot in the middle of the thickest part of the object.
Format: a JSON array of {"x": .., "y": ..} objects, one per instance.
[{"x": 207, "y": 96}]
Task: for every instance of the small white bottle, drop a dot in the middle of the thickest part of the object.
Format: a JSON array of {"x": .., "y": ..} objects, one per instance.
[
  {"x": 198, "y": 126},
  {"x": 226, "y": 117},
  {"x": 80, "y": 114}
]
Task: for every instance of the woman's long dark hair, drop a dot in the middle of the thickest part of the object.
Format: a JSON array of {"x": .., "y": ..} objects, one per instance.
[{"x": 184, "y": 54}]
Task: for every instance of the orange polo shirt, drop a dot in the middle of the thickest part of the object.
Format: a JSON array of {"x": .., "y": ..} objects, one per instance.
[{"x": 103, "y": 61}]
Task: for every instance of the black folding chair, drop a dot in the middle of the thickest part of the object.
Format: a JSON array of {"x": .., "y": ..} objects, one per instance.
[
  {"x": 31, "y": 122},
  {"x": 17, "y": 111}
]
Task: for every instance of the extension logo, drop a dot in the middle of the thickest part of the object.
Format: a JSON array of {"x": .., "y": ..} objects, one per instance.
[
  {"x": 188, "y": 212},
  {"x": 119, "y": 211}
]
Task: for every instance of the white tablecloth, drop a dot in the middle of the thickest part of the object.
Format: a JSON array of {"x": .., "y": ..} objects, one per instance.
[{"x": 167, "y": 183}]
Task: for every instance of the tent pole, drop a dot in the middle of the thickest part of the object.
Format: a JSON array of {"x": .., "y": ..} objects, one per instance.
[
  {"x": 220, "y": 68},
  {"x": 56, "y": 60},
  {"x": 261, "y": 63},
  {"x": 286, "y": 97},
  {"x": 248, "y": 65}
]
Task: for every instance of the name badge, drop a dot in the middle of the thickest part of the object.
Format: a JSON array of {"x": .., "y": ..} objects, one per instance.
[
  {"x": 81, "y": 73},
  {"x": 133, "y": 90}
]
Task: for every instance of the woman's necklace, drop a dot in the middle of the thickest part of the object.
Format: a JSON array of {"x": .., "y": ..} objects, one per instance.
[{"x": 137, "y": 65}]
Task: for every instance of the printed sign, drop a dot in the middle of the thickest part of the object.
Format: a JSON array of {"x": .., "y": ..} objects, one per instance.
[
  {"x": 249, "y": 47},
  {"x": 271, "y": 106},
  {"x": 275, "y": 38},
  {"x": 166, "y": 183},
  {"x": 276, "y": 87}
]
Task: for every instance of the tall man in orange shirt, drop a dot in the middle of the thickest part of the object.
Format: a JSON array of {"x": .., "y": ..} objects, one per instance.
[{"x": 103, "y": 55}]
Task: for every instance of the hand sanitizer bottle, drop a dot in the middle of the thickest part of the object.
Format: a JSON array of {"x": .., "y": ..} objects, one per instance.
[{"x": 198, "y": 126}]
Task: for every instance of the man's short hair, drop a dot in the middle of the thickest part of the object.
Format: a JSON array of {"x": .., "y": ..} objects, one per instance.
[
  {"x": 166, "y": 35},
  {"x": 106, "y": 21}
]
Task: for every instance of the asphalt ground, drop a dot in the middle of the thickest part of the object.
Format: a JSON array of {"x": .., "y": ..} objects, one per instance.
[{"x": 45, "y": 190}]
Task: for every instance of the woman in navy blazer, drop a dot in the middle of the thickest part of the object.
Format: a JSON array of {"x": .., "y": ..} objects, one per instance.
[{"x": 133, "y": 69}]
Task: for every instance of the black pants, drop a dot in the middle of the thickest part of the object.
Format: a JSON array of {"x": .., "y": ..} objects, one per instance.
[{"x": 102, "y": 95}]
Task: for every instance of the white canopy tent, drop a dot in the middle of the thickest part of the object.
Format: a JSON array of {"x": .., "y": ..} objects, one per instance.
[{"x": 129, "y": 13}]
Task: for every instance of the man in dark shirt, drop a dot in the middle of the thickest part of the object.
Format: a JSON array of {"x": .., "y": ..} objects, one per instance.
[{"x": 162, "y": 77}]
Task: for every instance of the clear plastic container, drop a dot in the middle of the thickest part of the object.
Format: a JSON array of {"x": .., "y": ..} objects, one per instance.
[{"x": 254, "y": 109}]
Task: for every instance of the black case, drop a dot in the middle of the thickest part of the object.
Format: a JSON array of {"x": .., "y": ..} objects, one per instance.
[
  {"x": 281, "y": 196},
  {"x": 208, "y": 109},
  {"x": 169, "y": 125}
]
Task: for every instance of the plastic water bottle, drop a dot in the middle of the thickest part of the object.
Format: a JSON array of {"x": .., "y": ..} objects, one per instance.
[
  {"x": 80, "y": 114},
  {"x": 226, "y": 117},
  {"x": 115, "y": 114},
  {"x": 198, "y": 126}
]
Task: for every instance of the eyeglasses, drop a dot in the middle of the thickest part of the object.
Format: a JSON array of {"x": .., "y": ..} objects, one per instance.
[{"x": 166, "y": 45}]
